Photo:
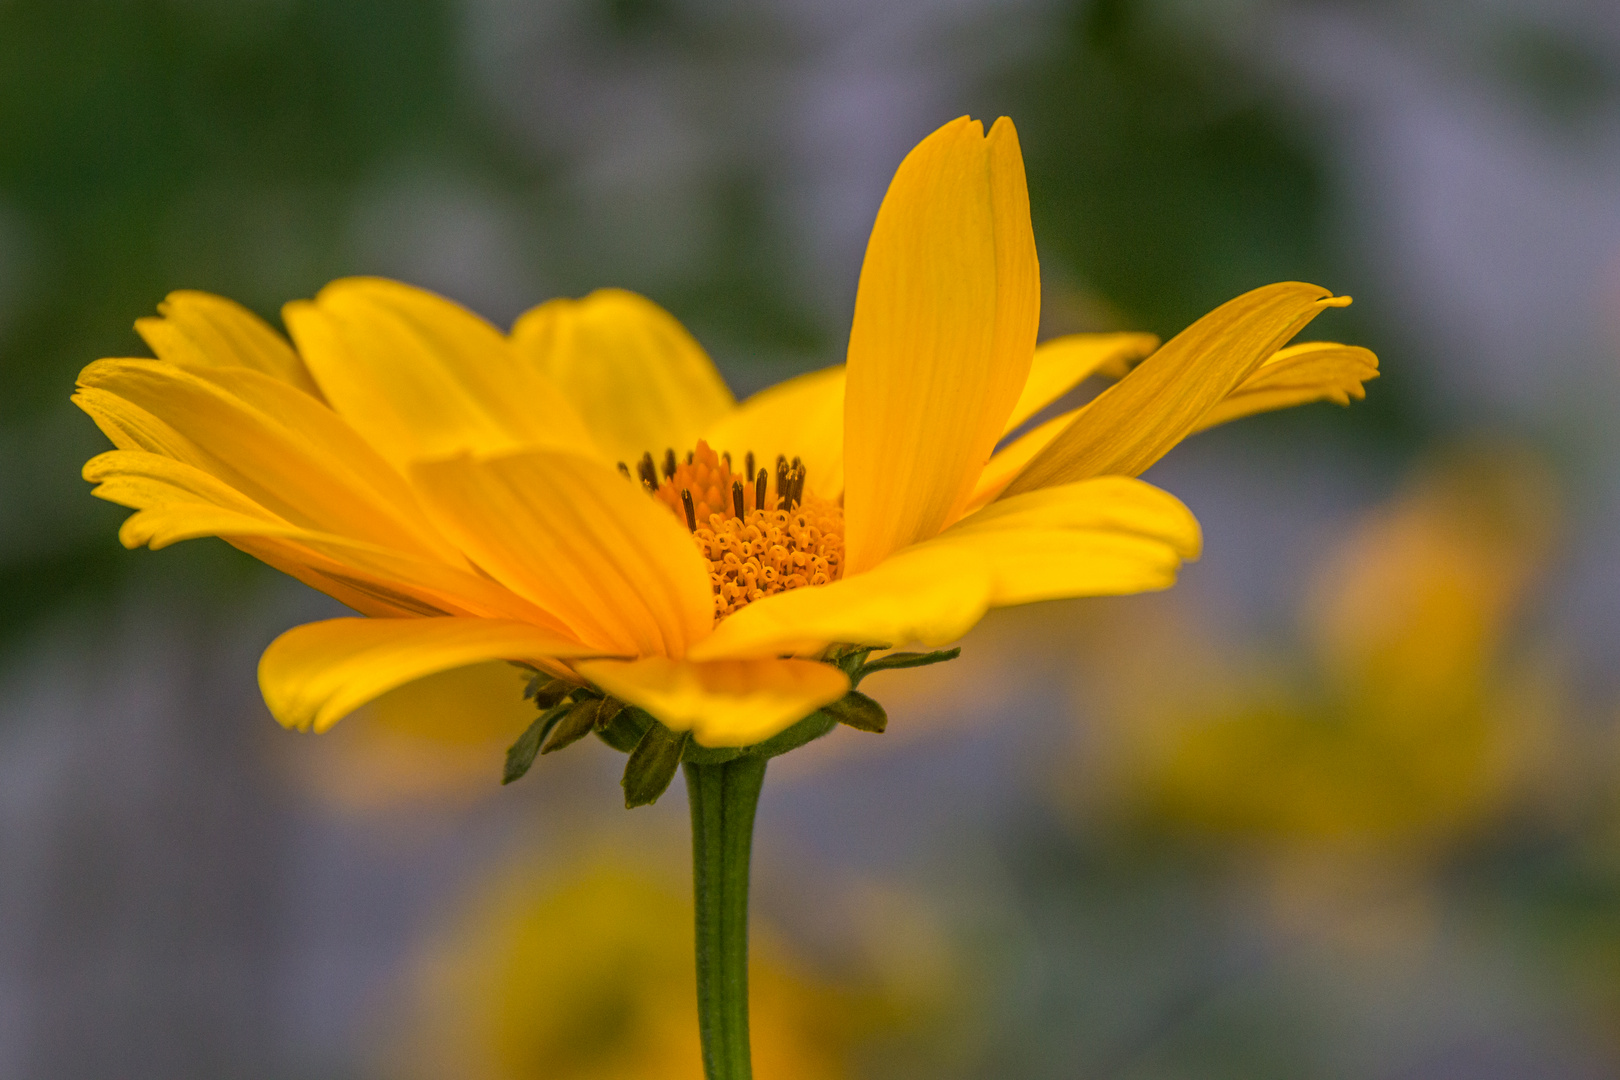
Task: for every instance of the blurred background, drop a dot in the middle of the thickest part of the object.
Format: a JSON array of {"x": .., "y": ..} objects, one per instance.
[{"x": 1342, "y": 804}]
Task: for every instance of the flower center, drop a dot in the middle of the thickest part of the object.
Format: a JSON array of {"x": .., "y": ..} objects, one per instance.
[{"x": 759, "y": 531}]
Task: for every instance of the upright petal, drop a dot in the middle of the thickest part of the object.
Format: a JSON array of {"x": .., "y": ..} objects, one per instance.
[
  {"x": 944, "y": 330},
  {"x": 1298, "y": 375},
  {"x": 421, "y": 377},
  {"x": 722, "y": 702},
  {"x": 629, "y": 368},
  {"x": 199, "y": 329},
  {"x": 1137, "y": 420},
  {"x": 582, "y": 542},
  {"x": 802, "y": 417},
  {"x": 314, "y": 675}
]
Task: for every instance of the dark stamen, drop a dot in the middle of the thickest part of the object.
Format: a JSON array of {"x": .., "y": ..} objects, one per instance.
[
  {"x": 781, "y": 482},
  {"x": 669, "y": 464},
  {"x": 725, "y": 456},
  {"x": 625, "y": 470},
  {"x": 690, "y": 457},
  {"x": 691, "y": 511},
  {"x": 748, "y": 464},
  {"x": 737, "y": 498},
  {"x": 798, "y": 484},
  {"x": 760, "y": 480},
  {"x": 648, "y": 472}
]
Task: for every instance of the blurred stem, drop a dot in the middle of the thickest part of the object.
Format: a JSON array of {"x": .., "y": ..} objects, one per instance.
[{"x": 723, "y": 799}]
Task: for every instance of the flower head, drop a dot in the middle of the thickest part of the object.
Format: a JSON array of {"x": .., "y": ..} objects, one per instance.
[{"x": 585, "y": 495}]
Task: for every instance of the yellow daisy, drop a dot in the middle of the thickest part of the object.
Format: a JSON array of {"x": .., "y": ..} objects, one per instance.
[{"x": 584, "y": 494}]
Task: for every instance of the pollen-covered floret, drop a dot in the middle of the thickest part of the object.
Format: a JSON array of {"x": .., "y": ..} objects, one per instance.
[
  {"x": 758, "y": 529},
  {"x": 771, "y": 551}
]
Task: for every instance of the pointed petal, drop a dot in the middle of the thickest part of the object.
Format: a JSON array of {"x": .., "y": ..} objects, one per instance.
[
  {"x": 421, "y": 377},
  {"x": 942, "y": 339},
  {"x": 802, "y": 417},
  {"x": 576, "y": 538},
  {"x": 1137, "y": 420},
  {"x": 1064, "y": 363},
  {"x": 927, "y": 596},
  {"x": 1107, "y": 536},
  {"x": 1297, "y": 375},
  {"x": 277, "y": 446},
  {"x": 631, "y": 371},
  {"x": 198, "y": 329},
  {"x": 313, "y": 676},
  {"x": 722, "y": 702}
]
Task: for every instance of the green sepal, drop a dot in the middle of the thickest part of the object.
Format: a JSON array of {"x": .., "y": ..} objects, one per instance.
[
  {"x": 576, "y": 723},
  {"x": 546, "y": 691},
  {"x": 651, "y": 765},
  {"x": 520, "y": 755},
  {"x": 712, "y": 755},
  {"x": 607, "y": 712},
  {"x": 897, "y": 660},
  {"x": 807, "y": 730},
  {"x": 858, "y": 711},
  {"x": 624, "y": 731}
]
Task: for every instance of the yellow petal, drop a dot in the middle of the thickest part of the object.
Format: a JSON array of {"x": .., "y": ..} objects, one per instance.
[
  {"x": 722, "y": 702},
  {"x": 1314, "y": 371},
  {"x": 802, "y": 417},
  {"x": 313, "y": 676},
  {"x": 200, "y": 329},
  {"x": 1011, "y": 459},
  {"x": 942, "y": 339},
  {"x": 927, "y": 596},
  {"x": 1137, "y": 420},
  {"x": 1101, "y": 537},
  {"x": 278, "y": 446},
  {"x": 1063, "y": 363},
  {"x": 421, "y": 377},
  {"x": 175, "y": 501},
  {"x": 582, "y": 542},
  {"x": 631, "y": 371}
]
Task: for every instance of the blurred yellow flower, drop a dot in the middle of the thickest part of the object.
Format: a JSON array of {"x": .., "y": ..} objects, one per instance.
[
  {"x": 438, "y": 740},
  {"x": 588, "y": 976},
  {"x": 1410, "y": 725},
  {"x": 459, "y": 486}
]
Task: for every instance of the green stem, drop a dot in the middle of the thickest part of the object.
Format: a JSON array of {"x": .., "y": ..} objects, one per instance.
[{"x": 723, "y": 799}]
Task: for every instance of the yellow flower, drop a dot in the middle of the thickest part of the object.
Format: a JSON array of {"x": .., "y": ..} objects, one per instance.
[
  {"x": 585, "y": 973},
  {"x": 1411, "y": 718},
  {"x": 486, "y": 496}
]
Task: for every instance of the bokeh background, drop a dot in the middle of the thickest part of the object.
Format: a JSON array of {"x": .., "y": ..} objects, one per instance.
[{"x": 1342, "y": 804}]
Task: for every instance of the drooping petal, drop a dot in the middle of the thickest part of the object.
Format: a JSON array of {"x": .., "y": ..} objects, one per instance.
[
  {"x": 314, "y": 675},
  {"x": 927, "y": 596},
  {"x": 175, "y": 501},
  {"x": 943, "y": 335},
  {"x": 582, "y": 542},
  {"x": 1107, "y": 536},
  {"x": 421, "y": 377},
  {"x": 199, "y": 329},
  {"x": 634, "y": 374},
  {"x": 802, "y": 417},
  {"x": 1297, "y": 375},
  {"x": 721, "y": 702},
  {"x": 1137, "y": 420},
  {"x": 1063, "y": 363},
  {"x": 277, "y": 446}
]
